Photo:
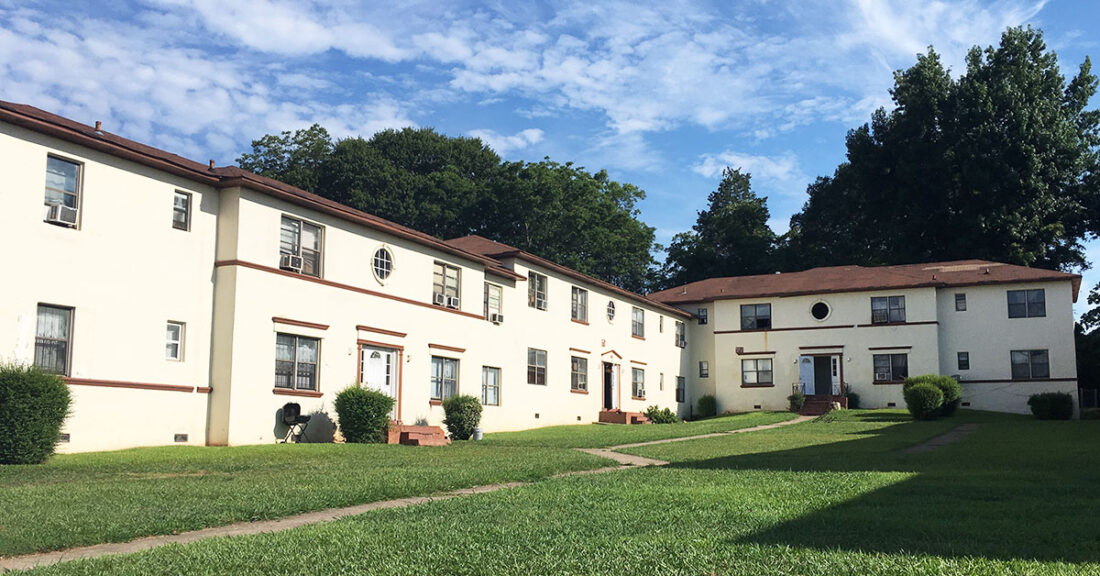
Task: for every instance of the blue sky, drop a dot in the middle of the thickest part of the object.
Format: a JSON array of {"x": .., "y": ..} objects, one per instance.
[{"x": 663, "y": 97}]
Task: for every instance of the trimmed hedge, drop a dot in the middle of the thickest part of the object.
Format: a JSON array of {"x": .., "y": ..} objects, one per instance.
[
  {"x": 463, "y": 414},
  {"x": 658, "y": 416},
  {"x": 708, "y": 406},
  {"x": 948, "y": 386},
  {"x": 923, "y": 400},
  {"x": 1051, "y": 405},
  {"x": 33, "y": 406},
  {"x": 797, "y": 400},
  {"x": 364, "y": 415}
]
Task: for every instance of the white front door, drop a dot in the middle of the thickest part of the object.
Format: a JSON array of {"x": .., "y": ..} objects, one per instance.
[
  {"x": 806, "y": 374},
  {"x": 378, "y": 370}
]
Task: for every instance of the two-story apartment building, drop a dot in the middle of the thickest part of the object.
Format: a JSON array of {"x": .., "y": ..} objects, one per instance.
[
  {"x": 187, "y": 303},
  {"x": 1004, "y": 331}
]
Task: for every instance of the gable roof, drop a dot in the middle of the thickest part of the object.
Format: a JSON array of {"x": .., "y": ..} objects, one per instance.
[
  {"x": 499, "y": 251},
  {"x": 63, "y": 128},
  {"x": 835, "y": 279}
]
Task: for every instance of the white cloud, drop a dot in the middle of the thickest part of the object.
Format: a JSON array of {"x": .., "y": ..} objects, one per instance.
[
  {"x": 505, "y": 145},
  {"x": 780, "y": 174}
]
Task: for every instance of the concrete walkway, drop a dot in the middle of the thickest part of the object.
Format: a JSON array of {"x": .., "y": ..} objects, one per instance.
[
  {"x": 952, "y": 436},
  {"x": 624, "y": 461}
]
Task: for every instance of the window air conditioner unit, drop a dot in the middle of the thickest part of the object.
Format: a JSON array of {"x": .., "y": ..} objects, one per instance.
[
  {"x": 882, "y": 376},
  {"x": 681, "y": 342},
  {"x": 452, "y": 302},
  {"x": 540, "y": 304},
  {"x": 496, "y": 318},
  {"x": 61, "y": 214},
  {"x": 291, "y": 262},
  {"x": 439, "y": 300}
]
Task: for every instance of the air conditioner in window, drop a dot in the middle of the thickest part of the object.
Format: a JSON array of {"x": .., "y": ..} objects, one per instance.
[
  {"x": 540, "y": 304},
  {"x": 882, "y": 376},
  {"x": 452, "y": 302},
  {"x": 439, "y": 300},
  {"x": 291, "y": 262},
  {"x": 496, "y": 318},
  {"x": 681, "y": 342},
  {"x": 61, "y": 214}
]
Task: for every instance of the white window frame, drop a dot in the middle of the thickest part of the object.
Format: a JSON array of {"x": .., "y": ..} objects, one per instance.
[
  {"x": 637, "y": 383},
  {"x": 637, "y": 322},
  {"x": 186, "y": 210},
  {"x": 485, "y": 387},
  {"x": 537, "y": 288},
  {"x": 753, "y": 371},
  {"x": 579, "y": 305},
  {"x": 704, "y": 369},
  {"x": 381, "y": 263},
  {"x": 77, "y": 194},
  {"x": 536, "y": 369},
  {"x": 41, "y": 340},
  {"x": 439, "y": 379},
  {"x": 296, "y": 364},
  {"x": 178, "y": 342},
  {"x": 296, "y": 248},
  {"x": 490, "y": 309},
  {"x": 578, "y": 373},
  {"x": 442, "y": 282}
]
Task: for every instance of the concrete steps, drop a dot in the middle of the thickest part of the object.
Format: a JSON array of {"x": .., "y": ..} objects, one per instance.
[
  {"x": 617, "y": 416},
  {"x": 416, "y": 435}
]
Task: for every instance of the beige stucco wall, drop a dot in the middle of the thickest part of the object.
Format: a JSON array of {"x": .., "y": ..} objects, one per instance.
[{"x": 126, "y": 272}]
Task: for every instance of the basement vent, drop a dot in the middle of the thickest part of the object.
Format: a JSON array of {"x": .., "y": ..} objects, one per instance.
[
  {"x": 536, "y": 415},
  {"x": 966, "y": 403},
  {"x": 64, "y": 437},
  {"x": 181, "y": 437},
  {"x": 891, "y": 404},
  {"x": 755, "y": 406},
  {"x": 578, "y": 418}
]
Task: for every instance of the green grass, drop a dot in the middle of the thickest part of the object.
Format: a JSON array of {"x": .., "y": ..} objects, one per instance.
[
  {"x": 85, "y": 499},
  {"x": 834, "y": 496},
  {"x": 603, "y": 435}
]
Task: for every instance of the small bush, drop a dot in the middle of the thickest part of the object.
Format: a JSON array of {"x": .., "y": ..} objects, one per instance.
[
  {"x": 1090, "y": 414},
  {"x": 949, "y": 387},
  {"x": 708, "y": 406},
  {"x": 797, "y": 400},
  {"x": 364, "y": 415},
  {"x": 853, "y": 400},
  {"x": 463, "y": 415},
  {"x": 923, "y": 400},
  {"x": 33, "y": 406},
  {"x": 658, "y": 416},
  {"x": 1051, "y": 405}
]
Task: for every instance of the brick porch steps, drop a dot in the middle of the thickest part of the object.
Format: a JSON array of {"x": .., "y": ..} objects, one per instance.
[
  {"x": 416, "y": 435},
  {"x": 617, "y": 416},
  {"x": 818, "y": 405}
]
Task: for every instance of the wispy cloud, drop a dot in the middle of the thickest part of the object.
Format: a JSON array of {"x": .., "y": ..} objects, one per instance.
[
  {"x": 774, "y": 174},
  {"x": 504, "y": 144}
]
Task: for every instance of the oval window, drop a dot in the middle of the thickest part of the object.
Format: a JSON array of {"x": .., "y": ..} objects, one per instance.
[
  {"x": 820, "y": 311},
  {"x": 610, "y": 311},
  {"x": 383, "y": 263}
]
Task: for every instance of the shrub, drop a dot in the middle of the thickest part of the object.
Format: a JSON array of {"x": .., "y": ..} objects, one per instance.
[
  {"x": 797, "y": 400},
  {"x": 708, "y": 406},
  {"x": 1090, "y": 414},
  {"x": 1051, "y": 405},
  {"x": 853, "y": 399},
  {"x": 923, "y": 400},
  {"x": 33, "y": 406},
  {"x": 463, "y": 413},
  {"x": 364, "y": 414},
  {"x": 949, "y": 387},
  {"x": 658, "y": 416}
]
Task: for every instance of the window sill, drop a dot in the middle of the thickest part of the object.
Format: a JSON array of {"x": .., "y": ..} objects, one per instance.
[
  {"x": 434, "y": 402},
  {"x": 575, "y": 391},
  {"x": 758, "y": 385},
  {"x": 636, "y": 337},
  {"x": 293, "y": 392},
  {"x": 887, "y": 382},
  {"x": 575, "y": 321},
  {"x": 637, "y": 397}
]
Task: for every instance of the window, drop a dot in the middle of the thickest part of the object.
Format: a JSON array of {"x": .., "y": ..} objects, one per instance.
[
  {"x": 704, "y": 369},
  {"x": 960, "y": 302},
  {"x": 1030, "y": 364},
  {"x": 637, "y": 380},
  {"x": 579, "y": 379},
  {"x": 382, "y": 263},
  {"x": 819, "y": 311},
  {"x": 661, "y": 324},
  {"x": 536, "y": 290},
  {"x": 536, "y": 366},
  {"x": 681, "y": 388},
  {"x": 300, "y": 238},
  {"x": 493, "y": 298},
  {"x": 1027, "y": 303},
  {"x": 296, "y": 361},
  {"x": 490, "y": 386},
  {"x": 661, "y": 381},
  {"x": 756, "y": 372},
  {"x": 964, "y": 360},
  {"x": 610, "y": 310},
  {"x": 62, "y": 182},
  {"x": 637, "y": 322},
  {"x": 887, "y": 309},
  {"x": 53, "y": 338},
  {"x": 891, "y": 367},
  {"x": 681, "y": 339},
  {"x": 701, "y": 314},
  {"x": 580, "y": 304},
  {"x": 756, "y": 316},
  {"x": 444, "y": 378},
  {"x": 173, "y": 346},
  {"x": 181, "y": 211},
  {"x": 445, "y": 285}
]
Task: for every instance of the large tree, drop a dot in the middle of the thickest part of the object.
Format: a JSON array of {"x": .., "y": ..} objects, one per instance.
[
  {"x": 999, "y": 164},
  {"x": 294, "y": 158},
  {"x": 730, "y": 238}
]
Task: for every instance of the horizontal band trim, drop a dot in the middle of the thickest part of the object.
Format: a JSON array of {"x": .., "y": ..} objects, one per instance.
[
  {"x": 448, "y": 348},
  {"x": 363, "y": 328},
  {"x": 130, "y": 385},
  {"x": 301, "y": 323},
  {"x": 293, "y": 392}
]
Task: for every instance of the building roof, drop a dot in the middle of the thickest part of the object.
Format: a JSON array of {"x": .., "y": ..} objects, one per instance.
[
  {"x": 835, "y": 279},
  {"x": 63, "y": 128},
  {"x": 499, "y": 251}
]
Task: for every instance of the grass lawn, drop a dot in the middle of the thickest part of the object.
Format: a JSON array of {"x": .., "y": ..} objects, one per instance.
[
  {"x": 835, "y": 496},
  {"x": 603, "y": 435}
]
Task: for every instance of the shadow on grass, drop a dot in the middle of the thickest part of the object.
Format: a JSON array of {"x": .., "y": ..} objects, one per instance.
[{"x": 1013, "y": 490}]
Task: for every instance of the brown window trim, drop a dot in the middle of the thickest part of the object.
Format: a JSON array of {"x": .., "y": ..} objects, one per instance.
[
  {"x": 1009, "y": 380},
  {"x": 131, "y": 385},
  {"x": 742, "y": 352},
  {"x": 890, "y": 348},
  {"x": 820, "y": 347},
  {"x": 637, "y": 397},
  {"x": 638, "y": 362},
  {"x": 435, "y": 402},
  {"x": 204, "y": 390},
  {"x": 636, "y": 337},
  {"x": 772, "y": 385},
  {"x": 363, "y": 328},
  {"x": 447, "y": 348},
  {"x": 919, "y": 323},
  {"x": 293, "y": 392},
  {"x": 887, "y": 382},
  {"x": 577, "y": 391},
  {"x": 579, "y": 350},
  {"x": 575, "y": 321},
  {"x": 301, "y": 323}
]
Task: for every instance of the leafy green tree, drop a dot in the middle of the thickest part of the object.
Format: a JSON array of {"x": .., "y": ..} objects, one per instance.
[
  {"x": 730, "y": 238},
  {"x": 291, "y": 158},
  {"x": 999, "y": 164}
]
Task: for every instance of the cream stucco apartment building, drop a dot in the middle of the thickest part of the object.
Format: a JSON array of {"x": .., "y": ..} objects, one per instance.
[{"x": 187, "y": 303}]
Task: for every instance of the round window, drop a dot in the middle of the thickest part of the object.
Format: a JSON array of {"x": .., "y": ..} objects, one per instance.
[
  {"x": 610, "y": 311},
  {"x": 383, "y": 263},
  {"x": 820, "y": 310}
]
